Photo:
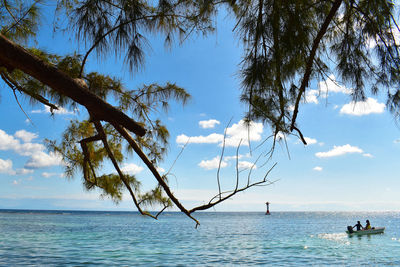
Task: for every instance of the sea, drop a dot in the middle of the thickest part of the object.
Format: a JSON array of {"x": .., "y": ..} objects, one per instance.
[{"x": 103, "y": 238}]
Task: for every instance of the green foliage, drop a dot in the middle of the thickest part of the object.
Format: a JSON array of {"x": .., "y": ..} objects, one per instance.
[
  {"x": 19, "y": 19},
  {"x": 279, "y": 35},
  {"x": 112, "y": 186},
  {"x": 121, "y": 26},
  {"x": 91, "y": 160}
]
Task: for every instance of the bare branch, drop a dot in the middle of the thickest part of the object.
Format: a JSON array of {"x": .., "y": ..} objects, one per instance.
[
  {"x": 220, "y": 160},
  {"x": 177, "y": 157},
  {"x": 222, "y": 196},
  {"x": 264, "y": 181},
  {"x": 237, "y": 165}
]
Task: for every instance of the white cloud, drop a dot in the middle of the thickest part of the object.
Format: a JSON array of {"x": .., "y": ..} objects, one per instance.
[
  {"x": 208, "y": 124},
  {"x": 60, "y": 110},
  {"x": 310, "y": 141},
  {"x": 246, "y": 165},
  {"x": 242, "y": 131},
  {"x": 209, "y": 139},
  {"x": 361, "y": 108},
  {"x": 339, "y": 151},
  {"x": 25, "y": 135},
  {"x": 212, "y": 164},
  {"x": 330, "y": 85},
  {"x": 312, "y": 96},
  {"x": 397, "y": 141},
  {"x": 233, "y": 157},
  {"x": 318, "y": 168},
  {"x": 281, "y": 136},
  {"x": 29, "y": 149},
  {"x": 131, "y": 168},
  {"x": 51, "y": 174},
  {"x": 160, "y": 170},
  {"x": 8, "y": 142},
  {"x": 41, "y": 159},
  {"x": 368, "y": 155},
  {"x": 235, "y": 133},
  {"x": 38, "y": 158},
  {"x": 23, "y": 171},
  {"x": 6, "y": 166},
  {"x": 47, "y": 174}
]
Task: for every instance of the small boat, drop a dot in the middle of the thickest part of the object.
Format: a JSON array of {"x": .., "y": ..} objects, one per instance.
[{"x": 373, "y": 230}]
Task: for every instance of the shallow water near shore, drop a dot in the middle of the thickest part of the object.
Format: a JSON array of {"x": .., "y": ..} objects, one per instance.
[{"x": 77, "y": 238}]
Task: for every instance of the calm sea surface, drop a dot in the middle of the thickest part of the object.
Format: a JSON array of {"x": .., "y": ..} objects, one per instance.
[{"x": 70, "y": 238}]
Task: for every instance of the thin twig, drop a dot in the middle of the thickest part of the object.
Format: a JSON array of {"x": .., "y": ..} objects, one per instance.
[{"x": 221, "y": 157}]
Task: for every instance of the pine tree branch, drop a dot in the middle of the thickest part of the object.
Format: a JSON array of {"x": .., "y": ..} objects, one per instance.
[
  {"x": 86, "y": 157},
  {"x": 21, "y": 18},
  {"x": 103, "y": 137},
  {"x": 13, "y": 56}
]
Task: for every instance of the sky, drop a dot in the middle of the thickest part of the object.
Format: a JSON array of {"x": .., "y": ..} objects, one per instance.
[{"x": 349, "y": 164}]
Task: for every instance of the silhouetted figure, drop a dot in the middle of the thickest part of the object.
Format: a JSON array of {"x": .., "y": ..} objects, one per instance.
[
  {"x": 367, "y": 226},
  {"x": 358, "y": 225},
  {"x": 267, "y": 213}
]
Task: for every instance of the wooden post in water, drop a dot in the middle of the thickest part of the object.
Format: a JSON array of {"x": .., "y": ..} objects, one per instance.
[{"x": 267, "y": 213}]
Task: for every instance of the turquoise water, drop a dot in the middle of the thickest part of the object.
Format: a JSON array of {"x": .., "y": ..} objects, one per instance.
[{"x": 66, "y": 238}]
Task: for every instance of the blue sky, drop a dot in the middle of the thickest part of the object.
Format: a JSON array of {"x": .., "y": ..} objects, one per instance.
[{"x": 351, "y": 162}]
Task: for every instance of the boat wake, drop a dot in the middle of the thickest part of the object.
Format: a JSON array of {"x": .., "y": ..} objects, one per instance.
[{"x": 338, "y": 237}]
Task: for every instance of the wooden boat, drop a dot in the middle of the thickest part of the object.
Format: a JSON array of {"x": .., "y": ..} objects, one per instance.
[{"x": 372, "y": 231}]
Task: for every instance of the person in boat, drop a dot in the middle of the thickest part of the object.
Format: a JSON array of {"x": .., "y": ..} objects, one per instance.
[
  {"x": 367, "y": 226},
  {"x": 358, "y": 225}
]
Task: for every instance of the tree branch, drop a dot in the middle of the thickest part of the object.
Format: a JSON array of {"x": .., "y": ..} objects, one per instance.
[
  {"x": 103, "y": 137},
  {"x": 310, "y": 60},
  {"x": 153, "y": 170},
  {"x": 232, "y": 193},
  {"x": 16, "y": 57},
  {"x": 86, "y": 157}
]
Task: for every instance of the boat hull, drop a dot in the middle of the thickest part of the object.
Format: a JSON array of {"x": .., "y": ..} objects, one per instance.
[{"x": 376, "y": 230}]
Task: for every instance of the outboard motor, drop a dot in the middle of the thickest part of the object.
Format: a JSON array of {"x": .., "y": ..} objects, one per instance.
[{"x": 350, "y": 229}]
